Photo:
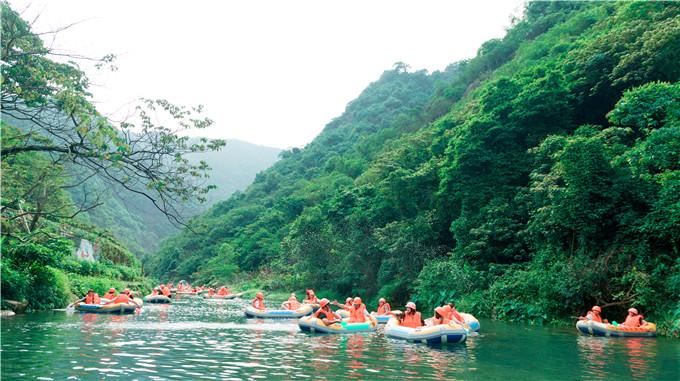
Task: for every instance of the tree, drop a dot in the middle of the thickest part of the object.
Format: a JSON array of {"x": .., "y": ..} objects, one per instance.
[{"x": 50, "y": 103}]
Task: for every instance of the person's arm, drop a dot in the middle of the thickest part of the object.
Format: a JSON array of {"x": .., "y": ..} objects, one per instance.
[{"x": 344, "y": 307}]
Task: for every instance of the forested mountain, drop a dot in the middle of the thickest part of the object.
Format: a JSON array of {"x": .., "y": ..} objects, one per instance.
[{"x": 528, "y": 183}]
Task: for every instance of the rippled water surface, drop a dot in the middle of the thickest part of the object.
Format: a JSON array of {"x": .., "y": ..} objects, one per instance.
[{"x": 212, "y": 340}]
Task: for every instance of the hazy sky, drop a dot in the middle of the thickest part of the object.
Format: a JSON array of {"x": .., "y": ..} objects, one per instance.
[{"x": 268, "y": 72}]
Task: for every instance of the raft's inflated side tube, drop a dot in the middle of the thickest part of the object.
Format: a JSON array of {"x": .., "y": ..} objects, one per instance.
[
  {"x": 186, "y": 293},
  {"x": 436, "y": 334},
  {"x": 608, "y": 330},
  {"x": 158, "y": 299},
  {"x": 253, "y": 312},
  {"x": 382, "y": 319},
  {"x": 228, "y": 296},
  {"x": 118, "y": 308},
  {"x": 471, "y": 321},
  {"x": 316, "y": 325}
]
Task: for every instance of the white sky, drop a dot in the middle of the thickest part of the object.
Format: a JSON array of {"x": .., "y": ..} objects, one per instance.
[{"x": 269, "y": 72}]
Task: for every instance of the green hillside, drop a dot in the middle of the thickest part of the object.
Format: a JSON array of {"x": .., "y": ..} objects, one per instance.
[{"x": 528, "y": 183}]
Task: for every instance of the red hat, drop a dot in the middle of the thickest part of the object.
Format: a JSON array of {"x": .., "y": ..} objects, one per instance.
[
  {"x": 633, "y": 310},
  {"x": 597, "y": 308},
  {"x": 357, "y": 300},
  {"x": 323, "y": 302},
  {"x": 411, "y": 305},
  {"x": 112, "y": 289},
  {"x": 259, "y": 295}
]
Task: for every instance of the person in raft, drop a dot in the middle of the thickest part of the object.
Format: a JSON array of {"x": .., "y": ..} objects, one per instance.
[
  {"x": 441, "y": 316},
  {"x": 594, "y": 315},
  {"x": 111, "y": 294},
  {"x": 90, "y": 298},
  {"x": 311, "y": 298},
  {"x": 223, "y": 291},
  {"x": 165, "y": 291},
  {"x": 258, "y": 302},
  {"x": 412, "y": 318},
  {"x": 124, "y": 297},
  {"x": 357, "y": 312},
  {"x": 453, "y": 313},
  {"x": 348, "y": 301},
  {"x": 325, "y": 313},
  {"x": 634, "y": 319},
  {"x": 292, "y": 303},
  {"x": 383, "y": 307}
]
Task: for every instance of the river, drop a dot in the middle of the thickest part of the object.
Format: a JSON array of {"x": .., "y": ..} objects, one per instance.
[{"x": 212, "y": 340}]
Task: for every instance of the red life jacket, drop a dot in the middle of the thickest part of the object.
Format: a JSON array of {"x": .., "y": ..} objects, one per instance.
[
  {"x": 594, "y": 317},
  {"x": 110, "y": 295},
  {"x": 412, "y": 320}
]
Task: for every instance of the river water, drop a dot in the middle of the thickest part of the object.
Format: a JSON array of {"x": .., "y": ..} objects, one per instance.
[{"x": 212, "y": 340}]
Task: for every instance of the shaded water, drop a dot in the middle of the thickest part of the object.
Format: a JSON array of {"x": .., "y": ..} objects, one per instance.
[{"x": 211, "y": 340}]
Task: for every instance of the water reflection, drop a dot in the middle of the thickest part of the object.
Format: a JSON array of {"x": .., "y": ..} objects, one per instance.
[{"x": 197, "y": 339}]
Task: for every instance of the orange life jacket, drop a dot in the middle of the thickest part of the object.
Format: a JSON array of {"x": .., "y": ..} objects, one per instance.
[
  {"x": 442, "y": 320},
  {"x": 633, "y": 321},
  {"x": 165, "y": 291},
  {"x": 322, "y": 313},
  {"x": 594, "y": 317},
  {"x": 384, "y": 309},
  {"x": 258, "y": 303},
  {"x": 93, "y": 299},
  {"x": 357, "y": 315},
  {"x": 122, "y": 298},
  {"x": 412, "y": 320},
  {"x": 223, "y": 291},
  {"x": 456, "y": 316},
  {"x": 110, "y": 295}
]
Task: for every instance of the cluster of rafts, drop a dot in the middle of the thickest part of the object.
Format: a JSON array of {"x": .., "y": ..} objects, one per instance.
[
  {"x": 436, "y": 334},
  {"x": 135, "y": 303}
]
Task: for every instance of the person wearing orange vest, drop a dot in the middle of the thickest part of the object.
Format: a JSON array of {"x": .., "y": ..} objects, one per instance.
[
  {"x": 441, "y": 316},
  {"x": 357, "y": 312},
  {"x": 311, "y": 298},
  {"x": 453, "y": 314},
  {"x": 348, "y": 302},
  {"x": 165, "y": 291},
  {"x": 325, "y": 313},
  {"x": 111, "y": 294},
  {"x": 258, "y": 302},
  {"x": 292, "y": 303},
  {"x": 634, "y": 319},
  {"x": 91, "y": 298},
  {"x": 594, "y": 315},
  {"x": 211, "y": 291},
  {"x": 124, "y": 297},
  {"x": 383, "y": 307},
  {"x": 412, "y": 318},
  {"x": 223, "y": 291}
]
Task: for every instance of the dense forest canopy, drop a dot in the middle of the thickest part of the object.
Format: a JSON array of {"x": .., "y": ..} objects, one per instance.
[{"x": 527, "y": 183}]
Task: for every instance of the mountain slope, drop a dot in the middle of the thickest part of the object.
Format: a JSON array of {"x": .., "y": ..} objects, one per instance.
[{"x": 528, "y": 183}]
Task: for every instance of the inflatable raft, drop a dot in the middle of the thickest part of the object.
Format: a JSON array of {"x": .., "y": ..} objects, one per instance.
[
  {"x": 158, "y": 299},
  {"x": 315, "y": 325},
  {"x": 118, "y": 308},
  {"x": 608, "y": 330},
  {"x": 228, "y": 296},
  {"x": 471, "y": 321},
  {"x": 436, "y": 334},
  {"x": 253, "y": 312},
  {"x": 382, "y": 319}
]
